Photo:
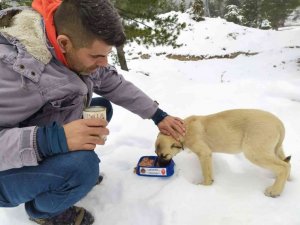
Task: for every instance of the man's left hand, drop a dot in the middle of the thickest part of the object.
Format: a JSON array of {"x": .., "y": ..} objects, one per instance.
[{"x": 173, "y": 126}]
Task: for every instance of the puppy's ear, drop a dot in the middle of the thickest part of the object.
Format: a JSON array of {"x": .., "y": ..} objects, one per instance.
[{"x": 181, "y": 139}]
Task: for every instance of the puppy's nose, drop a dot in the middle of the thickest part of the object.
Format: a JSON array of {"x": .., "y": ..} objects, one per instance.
[
  {"x": 162, "y": 156},
  {"x": 163, "y": 161}
]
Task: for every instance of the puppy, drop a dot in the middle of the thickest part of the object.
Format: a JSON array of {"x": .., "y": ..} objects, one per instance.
[{"x": 258, "y": 134}]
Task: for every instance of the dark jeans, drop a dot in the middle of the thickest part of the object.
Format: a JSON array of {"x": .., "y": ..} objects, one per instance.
[{"x": 57, "y": 183}]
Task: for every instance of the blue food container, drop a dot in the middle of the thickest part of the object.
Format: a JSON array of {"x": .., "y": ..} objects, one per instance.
[{"x": 152, "y": 170}]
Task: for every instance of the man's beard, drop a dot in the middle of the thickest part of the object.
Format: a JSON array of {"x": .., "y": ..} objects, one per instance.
[{"x": 87, "y": 71}]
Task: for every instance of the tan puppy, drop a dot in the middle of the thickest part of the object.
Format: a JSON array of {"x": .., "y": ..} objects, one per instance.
[{"x": 258, "y": 134}]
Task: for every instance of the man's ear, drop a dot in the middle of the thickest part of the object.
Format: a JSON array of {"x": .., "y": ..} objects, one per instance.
[{"x": 64, "y": 43}]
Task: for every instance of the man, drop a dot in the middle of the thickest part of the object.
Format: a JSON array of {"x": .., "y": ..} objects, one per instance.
[{"x": 52, "y": 58}]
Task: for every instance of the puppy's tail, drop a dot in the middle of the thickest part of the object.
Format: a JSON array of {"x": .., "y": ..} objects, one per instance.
[{"x": 287, "y": 159}]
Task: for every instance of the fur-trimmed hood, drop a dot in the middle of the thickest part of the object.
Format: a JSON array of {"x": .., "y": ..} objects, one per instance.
[{"x": 24, "y": 25}]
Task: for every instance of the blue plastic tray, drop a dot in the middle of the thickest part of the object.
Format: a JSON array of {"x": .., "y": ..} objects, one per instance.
[{"x": 155, "y": 171}]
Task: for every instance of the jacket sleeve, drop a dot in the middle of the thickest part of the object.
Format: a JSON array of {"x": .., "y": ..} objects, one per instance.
[
  {"x": 19, "y": 99},
  {"x": 17, "y": 148},
  {"x": 112, "y": 85}
]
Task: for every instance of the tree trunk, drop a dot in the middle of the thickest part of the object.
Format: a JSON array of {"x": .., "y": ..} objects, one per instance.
[
  {"x": 121, "y": 57},
  {"x": 206, "y": 8}
]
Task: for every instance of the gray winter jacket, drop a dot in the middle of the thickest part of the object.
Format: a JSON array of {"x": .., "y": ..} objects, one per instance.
[{"x": 36, "y": 89}]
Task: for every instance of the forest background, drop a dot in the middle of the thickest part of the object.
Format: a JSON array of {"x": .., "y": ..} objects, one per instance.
[{"x": 144, "y": 25}]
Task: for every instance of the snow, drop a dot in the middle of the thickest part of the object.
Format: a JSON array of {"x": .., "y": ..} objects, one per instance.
[
  {"x": 268, "y": 80},
  {"x": 294, "y": 18}
]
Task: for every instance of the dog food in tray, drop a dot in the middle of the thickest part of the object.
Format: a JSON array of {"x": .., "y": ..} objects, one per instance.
[{"x": 149, "y": 166}]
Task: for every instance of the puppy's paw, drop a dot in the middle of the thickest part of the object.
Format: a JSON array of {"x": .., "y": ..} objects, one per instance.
[
  {"x": 272, "y": 192},
  {"x": 207, "y": 182}
]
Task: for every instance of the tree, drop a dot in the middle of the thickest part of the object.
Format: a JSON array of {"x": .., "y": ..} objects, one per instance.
[
  {"x": 213, "y": 11},
  {"x": 276, "y": 11},
  {"x": 197, "y": 10},
  {"x": 265, "y": 25},
  {"x": 145, "y": 26},
  {"x": 24, "y": 2},
  {"x": 232, "y": 2},
  {"x": 3, "y": 5},
  {"x": 9, "y": 3},
  {"x": 233, "y": 14},
  {"x": 206, "y": 8},
  {"x": 217, "y": 8},
  {"x": 250, "y": 13},
  {"x": 182, "y": 6}
]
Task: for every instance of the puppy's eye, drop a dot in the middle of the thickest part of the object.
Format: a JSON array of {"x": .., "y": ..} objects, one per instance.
[{"x": 175, "y": 146}]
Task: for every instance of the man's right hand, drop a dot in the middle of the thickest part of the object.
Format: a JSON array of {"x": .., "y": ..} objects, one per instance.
[{"x": 85, "y": 134}]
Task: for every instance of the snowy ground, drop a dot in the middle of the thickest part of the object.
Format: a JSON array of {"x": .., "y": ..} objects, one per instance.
[{"x": 269, "y": 80}]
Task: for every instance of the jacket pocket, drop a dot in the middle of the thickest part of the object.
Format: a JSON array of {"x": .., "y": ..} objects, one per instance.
[
  {"x": 8, "y": 57},
  {"x": 61, "y": 110},
  {"x": 64, "y": 104}
]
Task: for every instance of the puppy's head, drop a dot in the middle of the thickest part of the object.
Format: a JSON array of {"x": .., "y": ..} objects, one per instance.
[{"x": 166, "y": 147}]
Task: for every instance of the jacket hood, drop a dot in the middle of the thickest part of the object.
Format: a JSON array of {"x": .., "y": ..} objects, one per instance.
[
  {"x": 47, "y": 8},
  {"x": 24, "y": 25}
]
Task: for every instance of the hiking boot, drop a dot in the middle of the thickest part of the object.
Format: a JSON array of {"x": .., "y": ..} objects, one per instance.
[{"x": 72, "y": 216}]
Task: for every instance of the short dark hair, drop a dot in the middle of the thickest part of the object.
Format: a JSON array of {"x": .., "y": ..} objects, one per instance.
[{"x": 83, "y": 21}]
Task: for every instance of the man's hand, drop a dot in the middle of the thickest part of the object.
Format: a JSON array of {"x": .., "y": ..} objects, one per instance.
[
  {"x": 173, "y": 126},
  {"x": 85, "y": 134}
]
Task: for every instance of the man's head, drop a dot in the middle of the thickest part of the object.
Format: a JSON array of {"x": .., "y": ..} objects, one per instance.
[{"x": 86, "y": 32}]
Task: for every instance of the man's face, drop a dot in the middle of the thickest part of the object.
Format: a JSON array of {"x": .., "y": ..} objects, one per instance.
[{"x": 86, "y": 60}]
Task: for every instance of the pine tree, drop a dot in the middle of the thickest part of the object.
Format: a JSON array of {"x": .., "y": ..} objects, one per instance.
[
  {"x": 197, "y": 10},
  {"x": 24, "y": 2},
  {"x": 163, "y": 31},
  {"x": 182, "y": 6},
  {"x": 3, "y": 5},
  {"x": 206, "y": 8},
  {"x": 137, "y": 14},
  {"x": 276, "y": 11},
  {"x": 9, "y": 3},
  {"x": 233, "y": 14},
  {"x": 219, "y": 8},
  {"x": 232, "y": 2},
  {"x": 214, "y": 12},
  {"x": 250, "y": 13},
  {"x": 265, "y": 24}
]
